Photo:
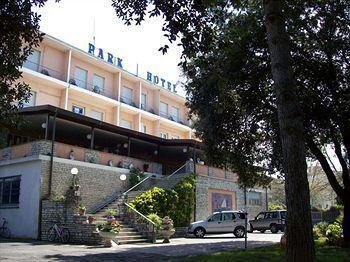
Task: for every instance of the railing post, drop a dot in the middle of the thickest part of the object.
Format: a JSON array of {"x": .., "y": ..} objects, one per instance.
[{"x": 153, "y": 234}]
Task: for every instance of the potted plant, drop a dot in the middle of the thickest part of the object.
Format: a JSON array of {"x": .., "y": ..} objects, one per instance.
[
  {"x": 108, "y": 230},
  {"x": 167, "y": 229},
  {"x": 111, "y": 213},
  {"x": 81, "y": 210},
  {"x": 91, "y": 219}
]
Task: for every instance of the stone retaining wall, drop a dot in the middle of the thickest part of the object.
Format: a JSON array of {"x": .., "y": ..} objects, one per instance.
[{"x": 64, "y": 213}]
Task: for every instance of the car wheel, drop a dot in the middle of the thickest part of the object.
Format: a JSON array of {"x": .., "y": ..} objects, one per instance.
[
  {"x": 251, "y": 229},
  {"x": 199, "y": 232},
  {"x": 273, "y": 229},
  {"x": 239, "y": 232},
  {"x": 262, "y": 231}
]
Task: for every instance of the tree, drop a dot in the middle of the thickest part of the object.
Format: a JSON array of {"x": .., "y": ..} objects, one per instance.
[
  {"x": 196, "y": 22},
  {"x": 18, "y": 35}
]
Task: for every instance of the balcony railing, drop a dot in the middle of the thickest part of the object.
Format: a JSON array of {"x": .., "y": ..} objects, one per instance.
[
  {"x": 91, "y": 87},
  {"x": 149, "y": 109},
  {"x": 175, "y": 119},
  {"x": 43, "y": 70},
  {"x": 129, "y": 101}
]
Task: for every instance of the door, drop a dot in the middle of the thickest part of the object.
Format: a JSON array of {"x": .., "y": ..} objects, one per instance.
[
  {"x": 258, "y": 221},
  {"x": 229, "y": 222},
  {"x": 214, "y": 223}
]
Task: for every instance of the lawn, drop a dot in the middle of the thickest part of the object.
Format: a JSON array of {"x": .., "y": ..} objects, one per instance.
[{"x": 272, "y": 254}]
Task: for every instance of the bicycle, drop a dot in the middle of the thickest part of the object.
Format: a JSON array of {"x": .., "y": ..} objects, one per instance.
[
  {"x": 62, "y": 233},
  {"x": 4, "y": 230}
]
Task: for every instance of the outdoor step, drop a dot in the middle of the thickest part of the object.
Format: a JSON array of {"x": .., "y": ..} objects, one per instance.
[
  {"x": 128, "y": 229},
  {"x": 133, "y": 241},
  {"x": 129, "y": 237},
  {"x": 128, "y": 233}
]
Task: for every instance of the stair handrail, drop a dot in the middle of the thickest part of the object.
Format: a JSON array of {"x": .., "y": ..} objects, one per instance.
[
  {"x": 168, "y": 177},
  {"x": 147, "y": 219},
  {"x": 139, "y": 183}
]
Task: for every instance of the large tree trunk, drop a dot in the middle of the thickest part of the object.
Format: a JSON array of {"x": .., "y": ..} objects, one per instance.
[
  {"x": 346, "y": 220},
  {"x": 300, "y": 245}
]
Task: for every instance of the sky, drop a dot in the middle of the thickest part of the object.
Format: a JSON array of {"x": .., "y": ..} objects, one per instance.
[{"x": 72, "y": 21}]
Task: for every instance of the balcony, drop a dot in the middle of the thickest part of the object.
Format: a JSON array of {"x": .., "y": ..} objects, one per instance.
[
  {"x": 44, "y": 70},
  {"x": 91, "y": 87},
  {"x": 175, "y": 119},
  {"x": 129, "y": 101},
  {"x": 148, "y": 109}
]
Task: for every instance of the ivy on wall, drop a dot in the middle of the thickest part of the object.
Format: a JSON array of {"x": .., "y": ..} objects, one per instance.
[{"x": 177, "y": 203}]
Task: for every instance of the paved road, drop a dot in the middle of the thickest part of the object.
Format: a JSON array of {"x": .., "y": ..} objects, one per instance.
[{"x": 175, "y": 251}]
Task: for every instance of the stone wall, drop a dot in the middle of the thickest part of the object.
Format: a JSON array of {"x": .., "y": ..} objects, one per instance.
[
  {"x": 205, "y": 185},
  {"x": 96, "y": 182},
  {"x": 64, "y": 213}
]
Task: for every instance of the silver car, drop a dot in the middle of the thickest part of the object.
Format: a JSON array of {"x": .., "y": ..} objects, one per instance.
[{"x": 220, "y": 223}]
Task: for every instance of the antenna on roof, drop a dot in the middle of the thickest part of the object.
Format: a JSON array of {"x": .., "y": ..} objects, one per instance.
[{"x": 94, "y": 33}]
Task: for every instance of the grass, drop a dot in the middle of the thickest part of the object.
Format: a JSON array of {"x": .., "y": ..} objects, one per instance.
[{"x": 272, "y": 254}]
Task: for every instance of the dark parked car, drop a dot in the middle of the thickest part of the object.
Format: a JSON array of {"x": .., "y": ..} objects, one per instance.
[{"x": 269, "y": 220}]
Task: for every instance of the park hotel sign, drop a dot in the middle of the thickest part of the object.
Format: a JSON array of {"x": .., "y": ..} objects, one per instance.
[{"x": 117, "y": 61}]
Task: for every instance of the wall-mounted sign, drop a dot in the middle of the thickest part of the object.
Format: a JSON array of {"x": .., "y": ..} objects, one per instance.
[{"x": 110, "y": 58}]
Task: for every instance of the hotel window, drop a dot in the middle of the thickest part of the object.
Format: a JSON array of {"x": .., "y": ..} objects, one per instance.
[
  {"x": 175, "y": 114},
  {"x": 31, "y": 101},
  {"x": 80, "y": 77},
  {"x": 164, "y": 135},
  {"x": 9, "y": 191},
  {"x": 99, "y": 84},
  {"x": 97, "y": 115},
  {"x": 144, "y": 129},
  {"x": 127, "y": 95},
  {"x": 125, "y": 123},
  {"x": 254, "y": 198},
  {"x": 163, "y": 109},
  {"x": 78, "y": 110},
  {"x": 175, "y": 137},
  {"x": 33, "y": 60},
  {"x": 143, "y": 101}
]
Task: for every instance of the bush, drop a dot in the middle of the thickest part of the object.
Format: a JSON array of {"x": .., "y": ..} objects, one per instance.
[
  {"x": 177, "y": 203},
  {"x": 275, "y": 206},
  {"x": 334, "y": 234},
  {"x": 136, "y": 176},
  {"x": 320, "y": 229},
  {"x": 156, "y": 220}
]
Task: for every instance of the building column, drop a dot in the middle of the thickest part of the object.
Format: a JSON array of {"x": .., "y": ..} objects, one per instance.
[
  {"x": 117, "y": 115},
  {"x": 119, "y": 85},
  {"x": 69, "y": 65},
  {"x": 138, "y": 123}
]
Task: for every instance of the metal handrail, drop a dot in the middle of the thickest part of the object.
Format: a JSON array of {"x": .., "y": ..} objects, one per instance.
[
  {"x": 147, "y": 219},
  {"x": 139, "y": 183},
  {"x": 176, "y": 171}
]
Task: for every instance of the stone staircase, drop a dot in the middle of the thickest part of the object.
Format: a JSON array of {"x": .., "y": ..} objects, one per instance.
[{"x": 128, "y": 234}]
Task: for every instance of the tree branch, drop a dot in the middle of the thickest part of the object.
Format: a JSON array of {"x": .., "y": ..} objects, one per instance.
[
  {"x": 325, "y": 166},
  {"x": 345, "y": 170}
]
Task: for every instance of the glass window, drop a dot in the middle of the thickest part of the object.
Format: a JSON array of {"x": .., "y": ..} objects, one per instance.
[
  {"x": 97, "y": 115},
  {"x": 254, "y": 198},
  {"x": 144, "y": 129},
  {"x": 175, "y": 114},
  {"x": 215, "y": 217},
  {"x": 163, "y": 109},
  {"x": 31, "y": 101},
  {"x": 125, "y": 123},
  {"x": 283, "y": 214},
  {"x": 228, "y": 216},
  {"x": 33, "y": 60},
  {"x": 78, "y": 110},
  {"x": 127, "y": 95},
  {"x": 260, "y": 216},
  {"x": 241, "y": 215},
  {"x": 99, "y": 83},
  {"x": 175, "y": 137},
  {"x": 9, "y": 191},
  {"x": 164, "y": 135},
  {"x": 80, "y": 77},
  {"x": 143, "y": 101},
  {"x": 274, "y": 215}
]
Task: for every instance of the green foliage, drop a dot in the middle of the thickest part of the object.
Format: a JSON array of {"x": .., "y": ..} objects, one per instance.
[
  {"x": 319, "y": 230},
  {"x": 177, "y": 203},
  {"x": 82, "y": 207},
  {"x": 157, "y": 221},
  {"x": 136, "y": 176},
  {"x": 58, "y": 198},
  {"x": 334, "y": 234},
  {"x": 111, "y": 212},
  {"x": 273, "y": 206}
]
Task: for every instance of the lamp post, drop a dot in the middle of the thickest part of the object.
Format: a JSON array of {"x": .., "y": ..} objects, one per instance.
[{"x": 74, "y": 171}]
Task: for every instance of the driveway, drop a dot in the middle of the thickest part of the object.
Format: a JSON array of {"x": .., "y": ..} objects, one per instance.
[{"x": 175, "y": 251}]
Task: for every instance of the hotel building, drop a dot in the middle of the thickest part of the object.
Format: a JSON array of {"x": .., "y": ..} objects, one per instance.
[{"x": 87, "y": 112}]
